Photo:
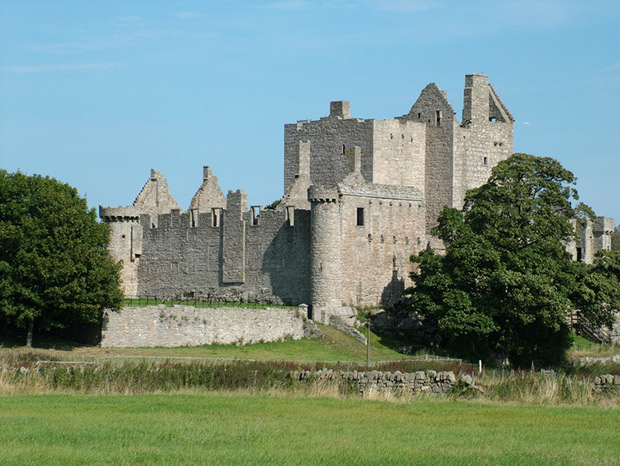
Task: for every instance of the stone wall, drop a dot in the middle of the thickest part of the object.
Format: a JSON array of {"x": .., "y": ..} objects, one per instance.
[
  {"x": 484, "y": 138},
  {"x": 243, "y": 256},
  {"x": 607, "y": 383},
  {"x": 329, "y": 138},
  {"x": 151, "y": 326},
  {"x": 377, "y": 382}
]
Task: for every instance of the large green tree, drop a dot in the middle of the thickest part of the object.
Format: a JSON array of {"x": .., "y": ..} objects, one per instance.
[
  {"x": 506, "y": 284},
  {"x": 55, "y": 270}
]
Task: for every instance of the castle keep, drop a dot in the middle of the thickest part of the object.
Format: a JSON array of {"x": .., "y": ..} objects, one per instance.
[{"x": 360, "y": 197}]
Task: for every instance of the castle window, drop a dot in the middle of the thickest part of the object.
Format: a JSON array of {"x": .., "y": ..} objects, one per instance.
[
  {"x": 579, "y": 255},
  {"x": 492, "y": 119},
  {"x": 360, "y": 216},
  {"x": 438, "y": 117},
  {"x": 419, "y": 115},
  {"x": 216, "y": 213},
  {"x": 193, "y": 218},
  {"x": 486, "y": 160},
  {"x": 391, "y": 136},
  {"x": 343, "y": 149},
  {"x": 402, "y": 136},
  {"x": 255, "y": 214}
]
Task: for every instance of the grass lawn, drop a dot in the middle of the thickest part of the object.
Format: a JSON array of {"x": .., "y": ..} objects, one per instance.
[
  {"x": 245, "y": 430},
  {"x": 334, "y": 346}
]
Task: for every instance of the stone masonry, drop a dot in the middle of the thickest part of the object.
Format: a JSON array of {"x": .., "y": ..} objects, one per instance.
[
  {"x": 150, "y": 326},
  {"x": 360, "y": 197}
]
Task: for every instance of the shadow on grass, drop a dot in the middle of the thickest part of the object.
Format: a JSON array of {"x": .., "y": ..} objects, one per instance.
[{"x": 48, "y": 341}]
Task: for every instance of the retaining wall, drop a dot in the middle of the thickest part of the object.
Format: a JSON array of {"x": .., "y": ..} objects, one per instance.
[{"x": 150, "y": 326}]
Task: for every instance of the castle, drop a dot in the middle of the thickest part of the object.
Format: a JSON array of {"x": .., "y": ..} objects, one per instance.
[{"x": 361, "y": 196}]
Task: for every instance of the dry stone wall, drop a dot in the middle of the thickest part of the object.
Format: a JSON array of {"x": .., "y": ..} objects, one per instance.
[
  {"x": 151, "y": 326},
  {"x": 377, "y": 382}
]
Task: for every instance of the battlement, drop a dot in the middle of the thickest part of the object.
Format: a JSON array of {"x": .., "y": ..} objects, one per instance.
[
  {"x": 321, "y": 194},
  {"x": 119, "y": 214}
]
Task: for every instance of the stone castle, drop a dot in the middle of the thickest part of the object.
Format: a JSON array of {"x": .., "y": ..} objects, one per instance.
[{"x": 360, "y": 197}]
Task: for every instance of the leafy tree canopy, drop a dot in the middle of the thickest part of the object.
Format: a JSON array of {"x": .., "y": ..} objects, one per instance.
[
  {"x": 55, "y": 269},
  {"x": 506, "y": 285}
]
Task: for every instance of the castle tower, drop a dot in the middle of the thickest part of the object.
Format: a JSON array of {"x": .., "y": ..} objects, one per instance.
[
  {"x": 325, "y": 253},
  {"x": 125, "y": 244}
]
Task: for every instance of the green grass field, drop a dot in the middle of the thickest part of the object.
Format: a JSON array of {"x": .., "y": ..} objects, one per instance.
[{"x": 246, "y": 430}]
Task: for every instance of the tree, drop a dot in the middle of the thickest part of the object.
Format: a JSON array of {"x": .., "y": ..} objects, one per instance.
[
  {"x": 597, "y": 297},
  {"x": 55, "y": 270},
  {"x": 506, "y": 284}
]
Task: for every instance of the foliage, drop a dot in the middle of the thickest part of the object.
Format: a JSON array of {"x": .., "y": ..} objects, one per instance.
[
  {"x": 506, "y": 284},
  {"x": 55, "y": 269},
  {"x": 597, "y": 294},
  {"x": 274, "y": 204},
  {"x": 615, "y": 239}
]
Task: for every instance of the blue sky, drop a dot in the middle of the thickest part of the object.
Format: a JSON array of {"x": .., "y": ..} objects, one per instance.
[{"x": 95, "y": 93}]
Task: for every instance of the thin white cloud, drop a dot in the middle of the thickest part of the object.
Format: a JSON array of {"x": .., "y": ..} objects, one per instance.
[
  {"x": 526, "y": 123},
  {"x": 23, "y": 69},
  {"x": 287, "y": 5}
]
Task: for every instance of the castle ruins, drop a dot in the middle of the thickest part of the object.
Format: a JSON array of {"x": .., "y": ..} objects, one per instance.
[{"x": 360, "y": 197}]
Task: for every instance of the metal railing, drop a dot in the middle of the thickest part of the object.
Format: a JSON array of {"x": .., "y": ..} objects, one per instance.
[{"x": 199, "y": 303}]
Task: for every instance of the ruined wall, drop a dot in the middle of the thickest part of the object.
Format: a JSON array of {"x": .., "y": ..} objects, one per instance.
[
  {"x": 399, "y": 148},
  {"x": 484, "y": 139},
  {"x": 434, "y": 111},
  {"x": 245, "y": 257},
  {"x": 602, "y": 230},
  {"x": 189, "y": 326},
  {"x": 329, "y": 139}
]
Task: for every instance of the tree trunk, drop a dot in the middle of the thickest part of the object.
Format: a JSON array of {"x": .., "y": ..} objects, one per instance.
[{"x": 29, "y": 333}]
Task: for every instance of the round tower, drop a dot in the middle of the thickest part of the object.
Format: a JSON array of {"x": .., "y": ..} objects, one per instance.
[
  {"x": 125, "y": 244},
  {"x": 325, "y": 253}
]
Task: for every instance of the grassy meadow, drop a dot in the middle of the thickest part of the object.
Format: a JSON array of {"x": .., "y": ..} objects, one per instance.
[
  {"x": 247, "y": 430},
  {"x": 227, "y": 404}
]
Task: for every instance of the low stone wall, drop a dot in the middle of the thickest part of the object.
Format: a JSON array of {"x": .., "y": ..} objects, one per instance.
[
  {"x": 150, "y": 326},
  {"x": 607, "y": 382},
  {"x": 370, "y": 382}
]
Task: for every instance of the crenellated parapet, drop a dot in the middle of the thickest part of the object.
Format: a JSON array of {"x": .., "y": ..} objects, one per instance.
[
  {"x": 321, "y": 194},
  {"x": 119, "y": 214}
]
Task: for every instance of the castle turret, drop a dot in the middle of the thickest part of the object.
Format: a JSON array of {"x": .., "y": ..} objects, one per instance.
[
  {"x": 125, "y": 243},
  {"x": 325, "y": 253}
]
